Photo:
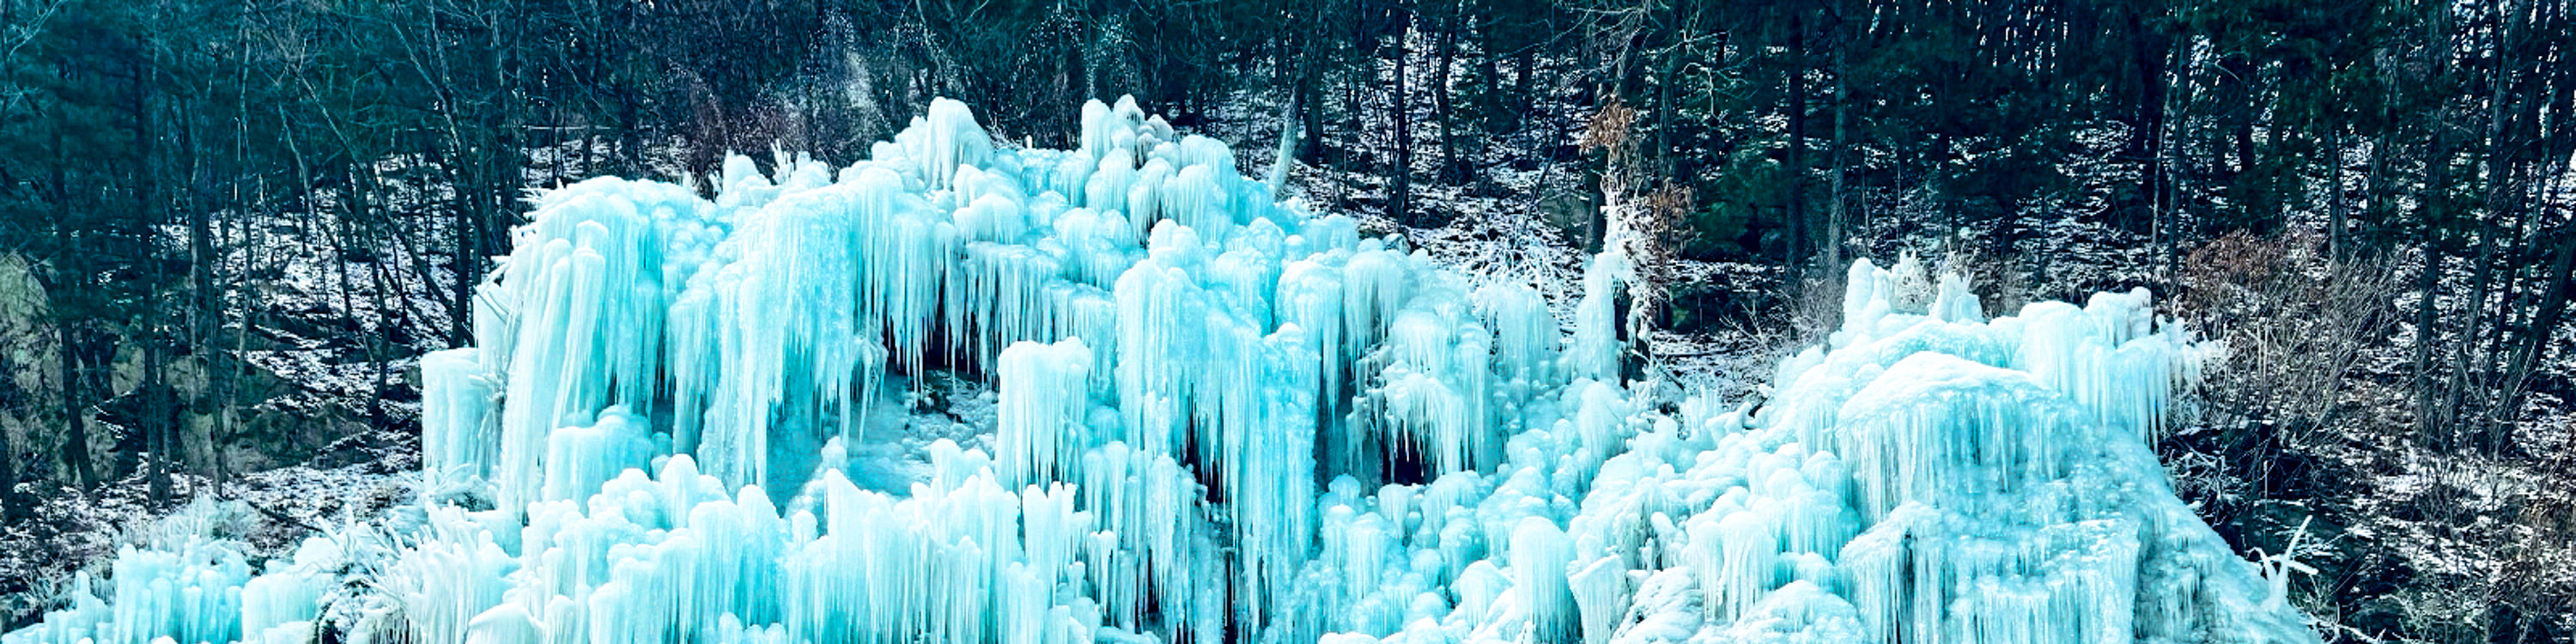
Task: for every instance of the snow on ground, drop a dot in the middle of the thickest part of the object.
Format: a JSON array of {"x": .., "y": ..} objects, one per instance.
[{"x": 71, "y": 532}]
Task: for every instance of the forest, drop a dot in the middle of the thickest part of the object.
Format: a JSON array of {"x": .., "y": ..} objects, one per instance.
[{"x": 230, "y": 229}]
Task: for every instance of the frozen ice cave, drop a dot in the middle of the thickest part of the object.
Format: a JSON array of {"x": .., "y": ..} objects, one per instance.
[{"x": 1220, "y": 419}]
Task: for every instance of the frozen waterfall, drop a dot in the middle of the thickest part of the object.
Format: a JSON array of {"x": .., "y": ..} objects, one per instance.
[{"x": 1220, "y": 419}]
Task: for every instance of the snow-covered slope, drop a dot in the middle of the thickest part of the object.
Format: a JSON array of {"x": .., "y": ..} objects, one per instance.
[{"x": 1219, "y": 418}]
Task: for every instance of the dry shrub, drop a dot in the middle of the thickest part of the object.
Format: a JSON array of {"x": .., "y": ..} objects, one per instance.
[
  {"x": 2308, "y": 417},
  {"x": 2282, "y": 422},
  {"x": 2295, "y": 321},
  {"x": 1642, "y": 212}
]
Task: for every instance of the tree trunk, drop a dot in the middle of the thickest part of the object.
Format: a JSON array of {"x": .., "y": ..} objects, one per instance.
[
  {"x": 2500, "y": 192},
  {"x": 2552, "y": 308},
  {"x": 71, "y": 281},
  {"x": 1310, "y": 98},
  {"x": 1523, "y": 61},
  {"x": 630, "y": 155},
  {"x": 1836, "y": 220},
  {"x": 1400, "y": 177},
  {"x": 1799, "y": 236},
  {"x": 1291, "y": 136},
  {"x": 162, "y": 432},
  {"x": 345, "y": 237},
  {"x": 206, "y": 304},
  {"x": 159, "y": 435},
  {"x": 2374, "y": 181},
  {"x": 10, "y": 509},
  {"x": 2432, "y": 211},
  {"x": 2335, "y": 211},
  {"x": 2149, "y": 54},
  {"x": 2482, "y": 273},
  {"x": 75, "y": 419},
  {"x": 2240, "y": 139},
  {"x": 1450, "y": 170},
  {"x": 1488, "y": 104},
  {"x": 501, "y": 162},
  {"x": 2425, "y": 316},
  {"x": 468, "y": 266}
]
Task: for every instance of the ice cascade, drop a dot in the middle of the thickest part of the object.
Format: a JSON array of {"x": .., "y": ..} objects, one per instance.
[{"x": 1220, "y": 418}]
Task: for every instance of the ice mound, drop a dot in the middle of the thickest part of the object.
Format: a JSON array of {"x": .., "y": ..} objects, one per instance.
[{"x": 1220, "y": 418}]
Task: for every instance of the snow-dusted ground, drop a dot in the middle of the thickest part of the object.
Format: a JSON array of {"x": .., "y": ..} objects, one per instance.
[{"x": 272, "y": 510}]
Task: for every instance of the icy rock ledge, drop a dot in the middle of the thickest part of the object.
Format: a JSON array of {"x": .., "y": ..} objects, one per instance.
[{"x": 1221, "y": 418}]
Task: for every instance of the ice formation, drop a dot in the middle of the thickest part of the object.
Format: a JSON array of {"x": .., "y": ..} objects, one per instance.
[{"x": 1220, "y": 418}]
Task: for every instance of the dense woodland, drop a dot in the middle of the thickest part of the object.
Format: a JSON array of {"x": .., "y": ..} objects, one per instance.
[{"x": 2371, "y": 201}]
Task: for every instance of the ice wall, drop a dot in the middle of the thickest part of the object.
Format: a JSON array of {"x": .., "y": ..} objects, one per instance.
[{"x": 1220, "y": 418}]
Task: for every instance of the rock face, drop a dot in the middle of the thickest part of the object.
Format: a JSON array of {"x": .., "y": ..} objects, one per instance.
[
  {"x": 30, "y": 377},
  {"x": 266, "y": 421}
]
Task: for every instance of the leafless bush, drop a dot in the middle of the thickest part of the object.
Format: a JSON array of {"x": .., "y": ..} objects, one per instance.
[
  {"x": 2295, "y": 321},
  {"x": 2309, "y": 416}
]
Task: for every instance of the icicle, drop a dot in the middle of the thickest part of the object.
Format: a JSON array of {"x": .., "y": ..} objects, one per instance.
[
  {"x": 444, "y": 583},
  {"x": 1956, "y": 303},
  {"x": 1599, "y": 589},
  {"x": 1005, "y": 299},
  {"x": 1539, "y": 557},
  {"x": 1042, "y": 410},
  {"x": 1525, "y": 332},
  {"x": 456, "y": 403},
  {"x": 1375, "y": 287},
  {"x": 579, "y": 459},
  {"x": 1596, "y": 352},
  {"x": 291, "y": 592}
]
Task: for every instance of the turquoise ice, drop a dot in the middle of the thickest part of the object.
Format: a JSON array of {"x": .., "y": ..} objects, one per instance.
[{"x": 1220, "y": 418}]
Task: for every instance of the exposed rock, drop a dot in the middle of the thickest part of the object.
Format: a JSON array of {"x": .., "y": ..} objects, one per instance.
[
  {"x": 29, "y": 377},
  {"x": 266, "y": 421}
]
